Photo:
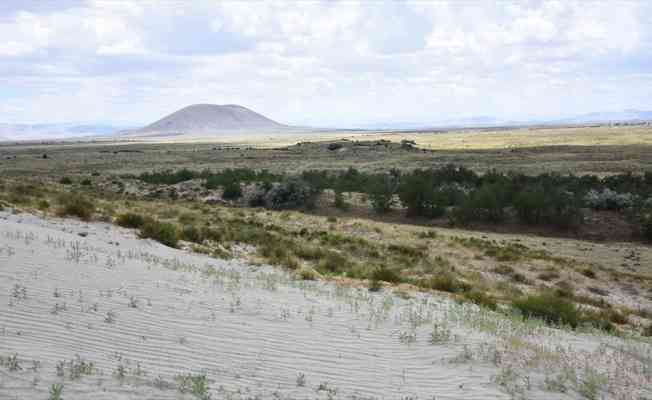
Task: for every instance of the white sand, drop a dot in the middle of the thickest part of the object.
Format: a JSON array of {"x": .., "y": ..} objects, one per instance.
[{"x": 251, "y": 331}]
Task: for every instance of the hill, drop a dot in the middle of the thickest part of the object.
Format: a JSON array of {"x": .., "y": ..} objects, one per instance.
[{"x": 208, "y": 119}]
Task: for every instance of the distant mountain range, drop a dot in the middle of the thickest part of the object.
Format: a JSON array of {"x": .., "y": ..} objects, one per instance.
[
  {"x": 487, "y": 121},
  {"x": 614, "y": 116},
  {"x": 53, "y": 131},
  {"x": 210, "y": 120}
]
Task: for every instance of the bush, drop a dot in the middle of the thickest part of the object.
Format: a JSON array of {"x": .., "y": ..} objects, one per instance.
[
  {"x": 256, "y": 197},
  {"x": 530, "y": 205},
  {"x": 163, "y": 232},
  {"x": 290, "y": 194},
  {"x": 484, "y": 204},
  {"x": 232, "y": 191},
  {"x": 645, "y": 223},
  {"x": 86, "y": 182},
  {"x": 191, "y": 233},
  {"x": 130, "y": 220},
  {"x": 608, "y": 200},
  {"x": 43, "y": 204},
  {"x": 418, "y": 193},
  {"x": 381, "y": 193},
  {"x": 65, "y": 181},
  {"x": 445, "y": 282},
  {"x": 552, "y": 309},
  {"x": 340, "y": 203},
  {"x": 76, "y": 205},
  {"x": 385, "y": 274}
]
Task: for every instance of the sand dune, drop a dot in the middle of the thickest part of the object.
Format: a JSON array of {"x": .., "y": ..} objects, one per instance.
[{"x": 144, "y": 314}]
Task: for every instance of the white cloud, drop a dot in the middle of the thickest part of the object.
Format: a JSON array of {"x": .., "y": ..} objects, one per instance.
[{"x": 326, "y": 63}]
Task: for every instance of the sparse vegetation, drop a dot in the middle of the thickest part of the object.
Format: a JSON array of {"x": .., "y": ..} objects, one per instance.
[
  {"x": 550, "y": 308},
  {"x": 197, "y": 385},
  {"x": 76, "y": 205},
  {"x": 130, "y": 220}
]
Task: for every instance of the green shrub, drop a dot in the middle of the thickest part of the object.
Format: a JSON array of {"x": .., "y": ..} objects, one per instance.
[
  {"x": 191, "y": 233},
  {"x": 418, "y": 193},
  {"x": 130, "y": 220},
  {"x": 552, "y": 309},
  {"x": 232, "y": 191},
  {"x": 65, "y": 181},
  {"x": 86, "y": 182},
  {"x": 646, "y": 225},
  {"x": 163, "y": 232},
  {"x": 381, "y": 193},
  {"x": 340, "y": 203},
  {"x": 291, "y": 194},
  {"x": 445, "y": 282},
  {"x": 333, "y": 262},
  {"x": 486, "y": 203},
  {"x": 385, "y": 274},
  {"x": 530, "y": 205},
  {"x": 76, "y": 205},
  {"x": 43, "y": 204}
]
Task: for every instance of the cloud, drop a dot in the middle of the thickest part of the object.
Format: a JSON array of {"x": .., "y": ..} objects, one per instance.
[{"x": 323, "y": 63}]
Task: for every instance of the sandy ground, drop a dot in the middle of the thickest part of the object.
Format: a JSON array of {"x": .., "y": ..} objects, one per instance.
[{"x": 144, "y": 314}]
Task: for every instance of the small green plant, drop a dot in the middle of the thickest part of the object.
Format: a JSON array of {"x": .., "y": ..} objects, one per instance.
[
  {"x": 75, "y": 368},
  {"x": 56, "y": 391},
  {"x": 65, "y": 181},
  {"x": 43, "y": 204},
  {"x": 86, "y": 182},
  {"x": 197, "y": 385},
  {"x": 12, "y": 363}
]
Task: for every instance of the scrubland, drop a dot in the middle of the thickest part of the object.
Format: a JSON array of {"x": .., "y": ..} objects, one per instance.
[{"x": 329, "y": 269}]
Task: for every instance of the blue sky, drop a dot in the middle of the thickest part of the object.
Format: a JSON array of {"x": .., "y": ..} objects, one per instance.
[{"x": 322, "y": 63}]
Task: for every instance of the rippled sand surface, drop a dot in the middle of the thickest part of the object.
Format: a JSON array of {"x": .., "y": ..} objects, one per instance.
[{"x": 144, "y": 314}]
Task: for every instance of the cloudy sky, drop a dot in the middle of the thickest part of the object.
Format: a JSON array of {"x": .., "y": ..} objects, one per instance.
[{"x": 322, "y": 63}]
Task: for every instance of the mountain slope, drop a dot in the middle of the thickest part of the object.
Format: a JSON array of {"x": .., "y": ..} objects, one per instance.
[{"x": 208, "y": 119}]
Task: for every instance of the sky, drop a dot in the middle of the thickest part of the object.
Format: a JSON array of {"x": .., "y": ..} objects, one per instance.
[{"x": 322, "y": 63}]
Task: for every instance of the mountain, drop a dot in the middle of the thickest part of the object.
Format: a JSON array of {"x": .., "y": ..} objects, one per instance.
[
  {"x": 53, "y": 131},
  {"x": 610, "y": 116},
  {"x": 206, "y": 119}
]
